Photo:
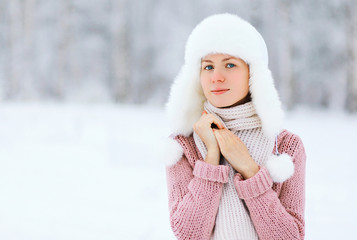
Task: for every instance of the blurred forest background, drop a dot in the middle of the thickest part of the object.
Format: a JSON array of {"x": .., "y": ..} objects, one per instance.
[
  {"x": 94, "y": 171},
  {"x": 130, "y": 51}
]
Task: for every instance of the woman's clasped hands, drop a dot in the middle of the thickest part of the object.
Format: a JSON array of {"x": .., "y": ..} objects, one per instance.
[{"x": 225, "y": 142}]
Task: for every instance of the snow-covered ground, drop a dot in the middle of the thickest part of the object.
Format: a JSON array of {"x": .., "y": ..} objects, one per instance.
[{"x": 95, "y": 172}]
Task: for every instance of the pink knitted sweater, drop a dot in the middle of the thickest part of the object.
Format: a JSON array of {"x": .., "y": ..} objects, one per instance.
[{"x": 195, "y": 188}]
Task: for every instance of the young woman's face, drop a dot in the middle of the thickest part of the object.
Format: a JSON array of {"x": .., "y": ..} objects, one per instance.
[{"x": 222, "y": 71}]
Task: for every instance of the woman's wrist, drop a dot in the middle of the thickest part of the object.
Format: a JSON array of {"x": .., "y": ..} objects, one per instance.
[
  {"x": 250, "y": 171},
  {"x": 213, "y": 156}
]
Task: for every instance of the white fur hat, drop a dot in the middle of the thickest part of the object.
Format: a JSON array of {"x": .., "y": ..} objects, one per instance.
[{"x": 229, "y": 34}]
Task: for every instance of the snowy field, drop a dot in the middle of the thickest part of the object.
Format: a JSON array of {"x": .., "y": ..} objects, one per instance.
[{"x": 96, "y": 172}]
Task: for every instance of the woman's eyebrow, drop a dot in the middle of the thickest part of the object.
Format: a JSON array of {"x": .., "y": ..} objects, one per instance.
[{"x": 226, "y": 59}]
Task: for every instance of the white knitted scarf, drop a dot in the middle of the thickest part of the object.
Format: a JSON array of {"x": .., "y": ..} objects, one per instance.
[{"x": 233, "y": 220}]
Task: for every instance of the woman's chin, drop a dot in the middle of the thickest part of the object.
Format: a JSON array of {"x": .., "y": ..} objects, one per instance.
[
  {"x": 220, "y": 104},
  {"x": 228, "y": 104}
]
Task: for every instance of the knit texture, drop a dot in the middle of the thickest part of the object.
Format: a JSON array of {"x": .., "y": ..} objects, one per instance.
[
  {"x": 233, "y": 220},
  {"x": 195, "y": 189}
]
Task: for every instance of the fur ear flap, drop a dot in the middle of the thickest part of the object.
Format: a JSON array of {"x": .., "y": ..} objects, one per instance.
[
  {"x": 280, "y": 167},
  {"x": 266, "y": 100},
  {"x": 172, "y": 152},
  {"x": 185, "y": 104}
]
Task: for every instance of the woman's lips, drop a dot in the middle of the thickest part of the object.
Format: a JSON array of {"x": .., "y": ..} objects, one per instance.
[{"x": 218, "y": 92}]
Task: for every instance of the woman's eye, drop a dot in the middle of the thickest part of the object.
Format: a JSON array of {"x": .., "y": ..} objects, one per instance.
[
  {"x": 230, "y": 65},
  {"x": 208, "y": 67}
]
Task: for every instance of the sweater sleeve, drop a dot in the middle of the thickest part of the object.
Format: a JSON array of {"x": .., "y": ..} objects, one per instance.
[
  {"x": 277, "y": 216},
  {"x": 194, "y": 196}
]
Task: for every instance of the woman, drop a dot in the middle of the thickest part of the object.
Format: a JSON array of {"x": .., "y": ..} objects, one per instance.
[{"x": 233, "y": 172}]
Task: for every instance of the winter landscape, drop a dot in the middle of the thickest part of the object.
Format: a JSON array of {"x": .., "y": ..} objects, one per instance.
[
  {"x": 75, "y": 171},
  {"x": 82, "y": 122}
]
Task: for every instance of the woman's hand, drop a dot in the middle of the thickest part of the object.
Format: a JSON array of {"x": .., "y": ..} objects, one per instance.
[
  {"x": 236, "y": 153},
  {"x": 203, "y": 129}
]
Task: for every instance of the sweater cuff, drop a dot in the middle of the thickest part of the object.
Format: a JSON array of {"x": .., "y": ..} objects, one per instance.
[
  {"x": 254, "y": 186},
  {"x": 211, "y": 172}
]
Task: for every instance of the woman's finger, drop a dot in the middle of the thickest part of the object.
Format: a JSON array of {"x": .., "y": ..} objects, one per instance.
[
  {"x": 215, "y": 120},
  {"x": 223, "y": 133},
  {"x": 218, "y": 135}
]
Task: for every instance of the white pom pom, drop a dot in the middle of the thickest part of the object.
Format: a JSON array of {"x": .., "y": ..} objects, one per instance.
[
  {"x": 280, "y": 167},
  {"x": 172, "y": 152}
]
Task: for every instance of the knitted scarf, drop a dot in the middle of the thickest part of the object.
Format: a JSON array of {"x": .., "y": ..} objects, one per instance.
[{"x": 233, "y": 220}]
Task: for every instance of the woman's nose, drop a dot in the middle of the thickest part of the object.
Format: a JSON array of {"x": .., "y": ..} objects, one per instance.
[{"x": 217, "y": 76}]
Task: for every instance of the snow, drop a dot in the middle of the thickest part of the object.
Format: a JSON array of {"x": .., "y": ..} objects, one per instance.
[{"x": 95, "y": 171}]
